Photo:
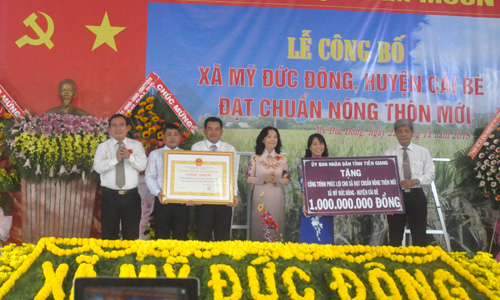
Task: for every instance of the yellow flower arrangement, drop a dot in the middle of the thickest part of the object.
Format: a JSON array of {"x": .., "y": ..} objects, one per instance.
[
  {"x": 53, "y": 281},
  {"x": 251, "y": 270},
  {"x": 292, "y": 289},
  {"x": 343, "y": 287},
  {"x": 415, "y": 286},
  {"x": 217, "y": 284}
]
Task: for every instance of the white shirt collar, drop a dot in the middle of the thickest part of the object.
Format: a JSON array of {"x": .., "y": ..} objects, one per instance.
[
  {"x": 209, "y": 144},
  {"x": 166, "y": 148},
  {"x": 116, "y": 141},
  {"x": 410, "y": 146}
]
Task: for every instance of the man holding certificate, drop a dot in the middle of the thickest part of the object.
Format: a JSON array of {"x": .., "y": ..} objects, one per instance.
[
  {"x": 169, "y": 218},
  {"x": 215, "y": 218}
]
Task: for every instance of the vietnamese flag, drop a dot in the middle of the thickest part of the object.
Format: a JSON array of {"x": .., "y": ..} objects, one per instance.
[{"x": 100, "y": 44}]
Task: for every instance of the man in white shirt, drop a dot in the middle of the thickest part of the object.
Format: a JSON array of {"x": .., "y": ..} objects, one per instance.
[
  {"x": 119, "y": 160},
  {"x": 416, "y": 169},
  {"x": 215, "y": 218},
  {"x": 171, "y": 218}
]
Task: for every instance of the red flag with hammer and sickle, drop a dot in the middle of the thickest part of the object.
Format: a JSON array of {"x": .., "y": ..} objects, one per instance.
[{"x": 100, "y": 44}]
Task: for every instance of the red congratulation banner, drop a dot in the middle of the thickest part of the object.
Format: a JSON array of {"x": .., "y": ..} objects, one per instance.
[
  {"x": 352, "y": 185},
  {"x": 10, "y": 105},
  {"x": 143, "y": 89},
  {"x": 176, "y": 106},
  {"x": 484, "y": 136},
  {"x": 154, "y": 80}
]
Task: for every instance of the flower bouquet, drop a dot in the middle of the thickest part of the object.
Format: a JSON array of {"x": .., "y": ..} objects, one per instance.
[
  {"x": 8, "y": 175},
  {"x": 487, "y": 163},
  {"x": 480, "y": 175},
  {"x": 54, "y": 146},
  {"x": 148, "y": 119},
  {"x": 269, "y": 226}
]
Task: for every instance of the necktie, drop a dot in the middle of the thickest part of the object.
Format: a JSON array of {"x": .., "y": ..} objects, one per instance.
[
  {"x": 213, "y": 147},
  {"x": 120, "y": 169},
  {"x": 406, "y": 164}
]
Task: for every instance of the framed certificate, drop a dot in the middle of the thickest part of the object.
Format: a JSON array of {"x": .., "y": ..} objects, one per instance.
[{"x": 204, "y": 177}]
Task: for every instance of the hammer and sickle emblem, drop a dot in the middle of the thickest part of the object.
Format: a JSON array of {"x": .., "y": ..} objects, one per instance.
[{"x": 43, "y": 37}]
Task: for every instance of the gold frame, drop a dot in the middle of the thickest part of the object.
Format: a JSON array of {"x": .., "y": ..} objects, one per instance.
[{"x": 181, "y": 169}]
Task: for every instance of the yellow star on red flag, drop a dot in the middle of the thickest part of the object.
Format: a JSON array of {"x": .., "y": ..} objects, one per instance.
[{"x": 105, "y": 33}]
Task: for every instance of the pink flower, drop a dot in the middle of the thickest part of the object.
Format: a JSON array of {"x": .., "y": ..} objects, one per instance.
[
  {"x": 27, "y": 127},
  {"x": 58, "y": 130},
  {"x": 482, "y": 183},
  {"x": 481, "y": 155},
  {"x": 47, "y": 130}
]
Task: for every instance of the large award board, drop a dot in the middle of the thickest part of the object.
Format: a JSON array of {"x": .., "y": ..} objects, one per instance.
[{"x": 352, "y": 185}]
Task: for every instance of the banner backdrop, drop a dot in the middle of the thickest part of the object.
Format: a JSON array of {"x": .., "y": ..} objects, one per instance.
[
  {"x": 346, "y": 69},
  {"x": 320, "y": 64}
]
